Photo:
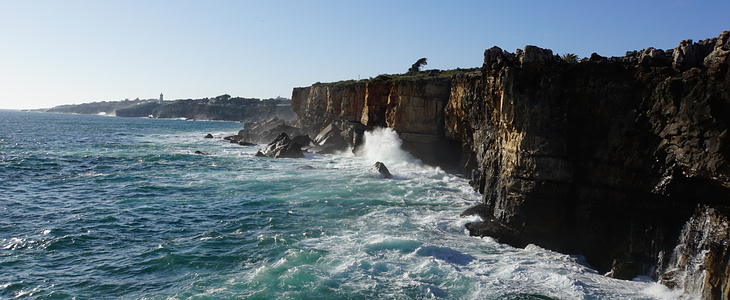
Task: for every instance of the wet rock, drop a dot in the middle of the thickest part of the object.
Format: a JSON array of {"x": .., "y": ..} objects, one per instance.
[
  {"x": 208, "y": 136},
  {"x": 259, "y": 154},
  {"x": 625, "y": 269},
  {"x": 496, "y": 230},
  {"x": 303, "y": 140},
  {"x": 237, "y": 139},
  {"x": 382, "y": 169},
  {"x": 201, "y": 152},
  {"x": 480, "y": 210},
  {"x": 234, "y": 139},
  {"x": 283, "y": 147},
  {"x": 700, "y": 261},
  {"x": 306, "y": 167}
]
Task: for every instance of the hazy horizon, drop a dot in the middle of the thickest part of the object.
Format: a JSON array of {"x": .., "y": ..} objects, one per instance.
[{"x": 75, "y": 52}]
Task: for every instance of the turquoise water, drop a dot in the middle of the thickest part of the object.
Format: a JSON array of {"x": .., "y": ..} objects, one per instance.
[{"x": 95, "y": 207}]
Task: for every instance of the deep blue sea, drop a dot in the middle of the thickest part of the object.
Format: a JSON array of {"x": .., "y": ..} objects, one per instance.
[{"x": 95, "y": 207}]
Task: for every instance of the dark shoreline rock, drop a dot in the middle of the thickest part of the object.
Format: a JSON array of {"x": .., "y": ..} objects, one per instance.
[
  {"x": 208, "y": 136},
  {"x": 282, "y": 147},
  {"x": 383, "y": 170}
]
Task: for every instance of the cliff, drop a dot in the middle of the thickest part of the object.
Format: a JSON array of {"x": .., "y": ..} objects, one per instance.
[
  {"x": 412, "y": 104},
  {"x": 623, "y": 160}
]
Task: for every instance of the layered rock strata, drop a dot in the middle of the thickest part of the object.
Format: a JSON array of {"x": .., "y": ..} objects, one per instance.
[{"x": 623, "y": 159}]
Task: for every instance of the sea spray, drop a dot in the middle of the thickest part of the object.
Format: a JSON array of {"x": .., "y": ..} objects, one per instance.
[{"x": 384, "y": 145}]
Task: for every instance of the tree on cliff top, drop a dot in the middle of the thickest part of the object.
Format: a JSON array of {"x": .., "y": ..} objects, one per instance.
[
  {"x": 416, "y": 67},
  {"x": 570, "y": 58}
]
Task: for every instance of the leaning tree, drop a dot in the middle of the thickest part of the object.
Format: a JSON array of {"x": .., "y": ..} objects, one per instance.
[{"x": 416, "y": 67}]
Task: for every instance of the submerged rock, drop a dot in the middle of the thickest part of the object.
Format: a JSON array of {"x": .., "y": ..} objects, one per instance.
[
  {"x": 237, "y": 139},
  {"x": 208, "y": 136},
  {"x": 234, "y": 139},
  {"x": 201, "y": 152},
  {"x": 382, "y": 169}
]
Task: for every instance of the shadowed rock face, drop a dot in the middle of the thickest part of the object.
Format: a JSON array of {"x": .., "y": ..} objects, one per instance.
[
  {"x": 613, "y": 158},
  {"x": 608, "y": 157}
]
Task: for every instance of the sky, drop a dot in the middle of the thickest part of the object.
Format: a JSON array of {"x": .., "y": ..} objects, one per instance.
[{"x": 63, "y": 52}]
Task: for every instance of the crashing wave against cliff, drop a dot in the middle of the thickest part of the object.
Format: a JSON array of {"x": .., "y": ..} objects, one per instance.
[{"x": 623, "y": 159}]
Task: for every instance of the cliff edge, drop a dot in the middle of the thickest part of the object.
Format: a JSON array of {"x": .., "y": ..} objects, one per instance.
[{"x": 623, "y": 160}]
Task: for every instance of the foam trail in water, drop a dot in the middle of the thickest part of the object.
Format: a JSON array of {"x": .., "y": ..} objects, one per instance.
[{"x": 384, "y": 145}]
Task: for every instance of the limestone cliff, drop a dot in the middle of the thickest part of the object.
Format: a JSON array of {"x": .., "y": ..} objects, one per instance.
[
  {"x": 413, "y": 105},
  {"x": 621, "y": 159}
]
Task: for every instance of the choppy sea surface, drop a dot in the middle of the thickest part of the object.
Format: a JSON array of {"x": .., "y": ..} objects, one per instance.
[{"x": 95, "y": 207}]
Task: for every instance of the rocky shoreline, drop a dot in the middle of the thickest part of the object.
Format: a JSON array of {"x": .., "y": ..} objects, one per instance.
[
  {"x": 623, "y": 160},
  {"x": 221, "y": 108}
]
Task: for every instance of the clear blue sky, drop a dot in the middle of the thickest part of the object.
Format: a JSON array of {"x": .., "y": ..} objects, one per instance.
[{"x": 57, "y": 52}]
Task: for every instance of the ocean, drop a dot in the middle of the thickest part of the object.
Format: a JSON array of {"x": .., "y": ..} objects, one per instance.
[{"x": 96, "y": 207}]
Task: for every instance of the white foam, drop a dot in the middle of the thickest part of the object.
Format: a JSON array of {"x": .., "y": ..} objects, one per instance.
[{"x": 384, "y": 145}]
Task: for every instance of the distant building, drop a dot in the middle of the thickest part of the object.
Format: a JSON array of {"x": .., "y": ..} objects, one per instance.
[{"x": 161, "y": 98}]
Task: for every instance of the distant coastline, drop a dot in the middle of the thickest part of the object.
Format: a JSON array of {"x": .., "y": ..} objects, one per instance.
[{"x": 220, "y": 108}]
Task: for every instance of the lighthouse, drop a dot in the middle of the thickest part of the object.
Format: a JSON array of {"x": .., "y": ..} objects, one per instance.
[{"x": 161, "y": 99}]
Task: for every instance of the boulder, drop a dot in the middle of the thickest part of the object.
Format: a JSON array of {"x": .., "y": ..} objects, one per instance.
[
  {"x": 330, "y": 140},
  {"x": 234, "y": 139},
  {"x": 209, "y": 136},
  {"x": 263, "y": 131},
  {"x": 382, "y": 169},
  {"x": 283, "y": 147}
]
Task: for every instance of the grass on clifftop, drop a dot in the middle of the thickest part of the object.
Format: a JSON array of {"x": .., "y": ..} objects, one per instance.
[{"x": 421, "y": 75}]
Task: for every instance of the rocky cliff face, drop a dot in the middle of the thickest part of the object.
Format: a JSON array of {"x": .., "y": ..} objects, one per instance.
[
  {"x": 411, "y": 104},
  {"x": 622, "y": 159},
  {"x": 608, "y": 157}
]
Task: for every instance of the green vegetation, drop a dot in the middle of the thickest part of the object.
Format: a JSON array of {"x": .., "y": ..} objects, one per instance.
[
  {"x": 570, "y": 58},
  {"x": 420, "y": 75}
]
